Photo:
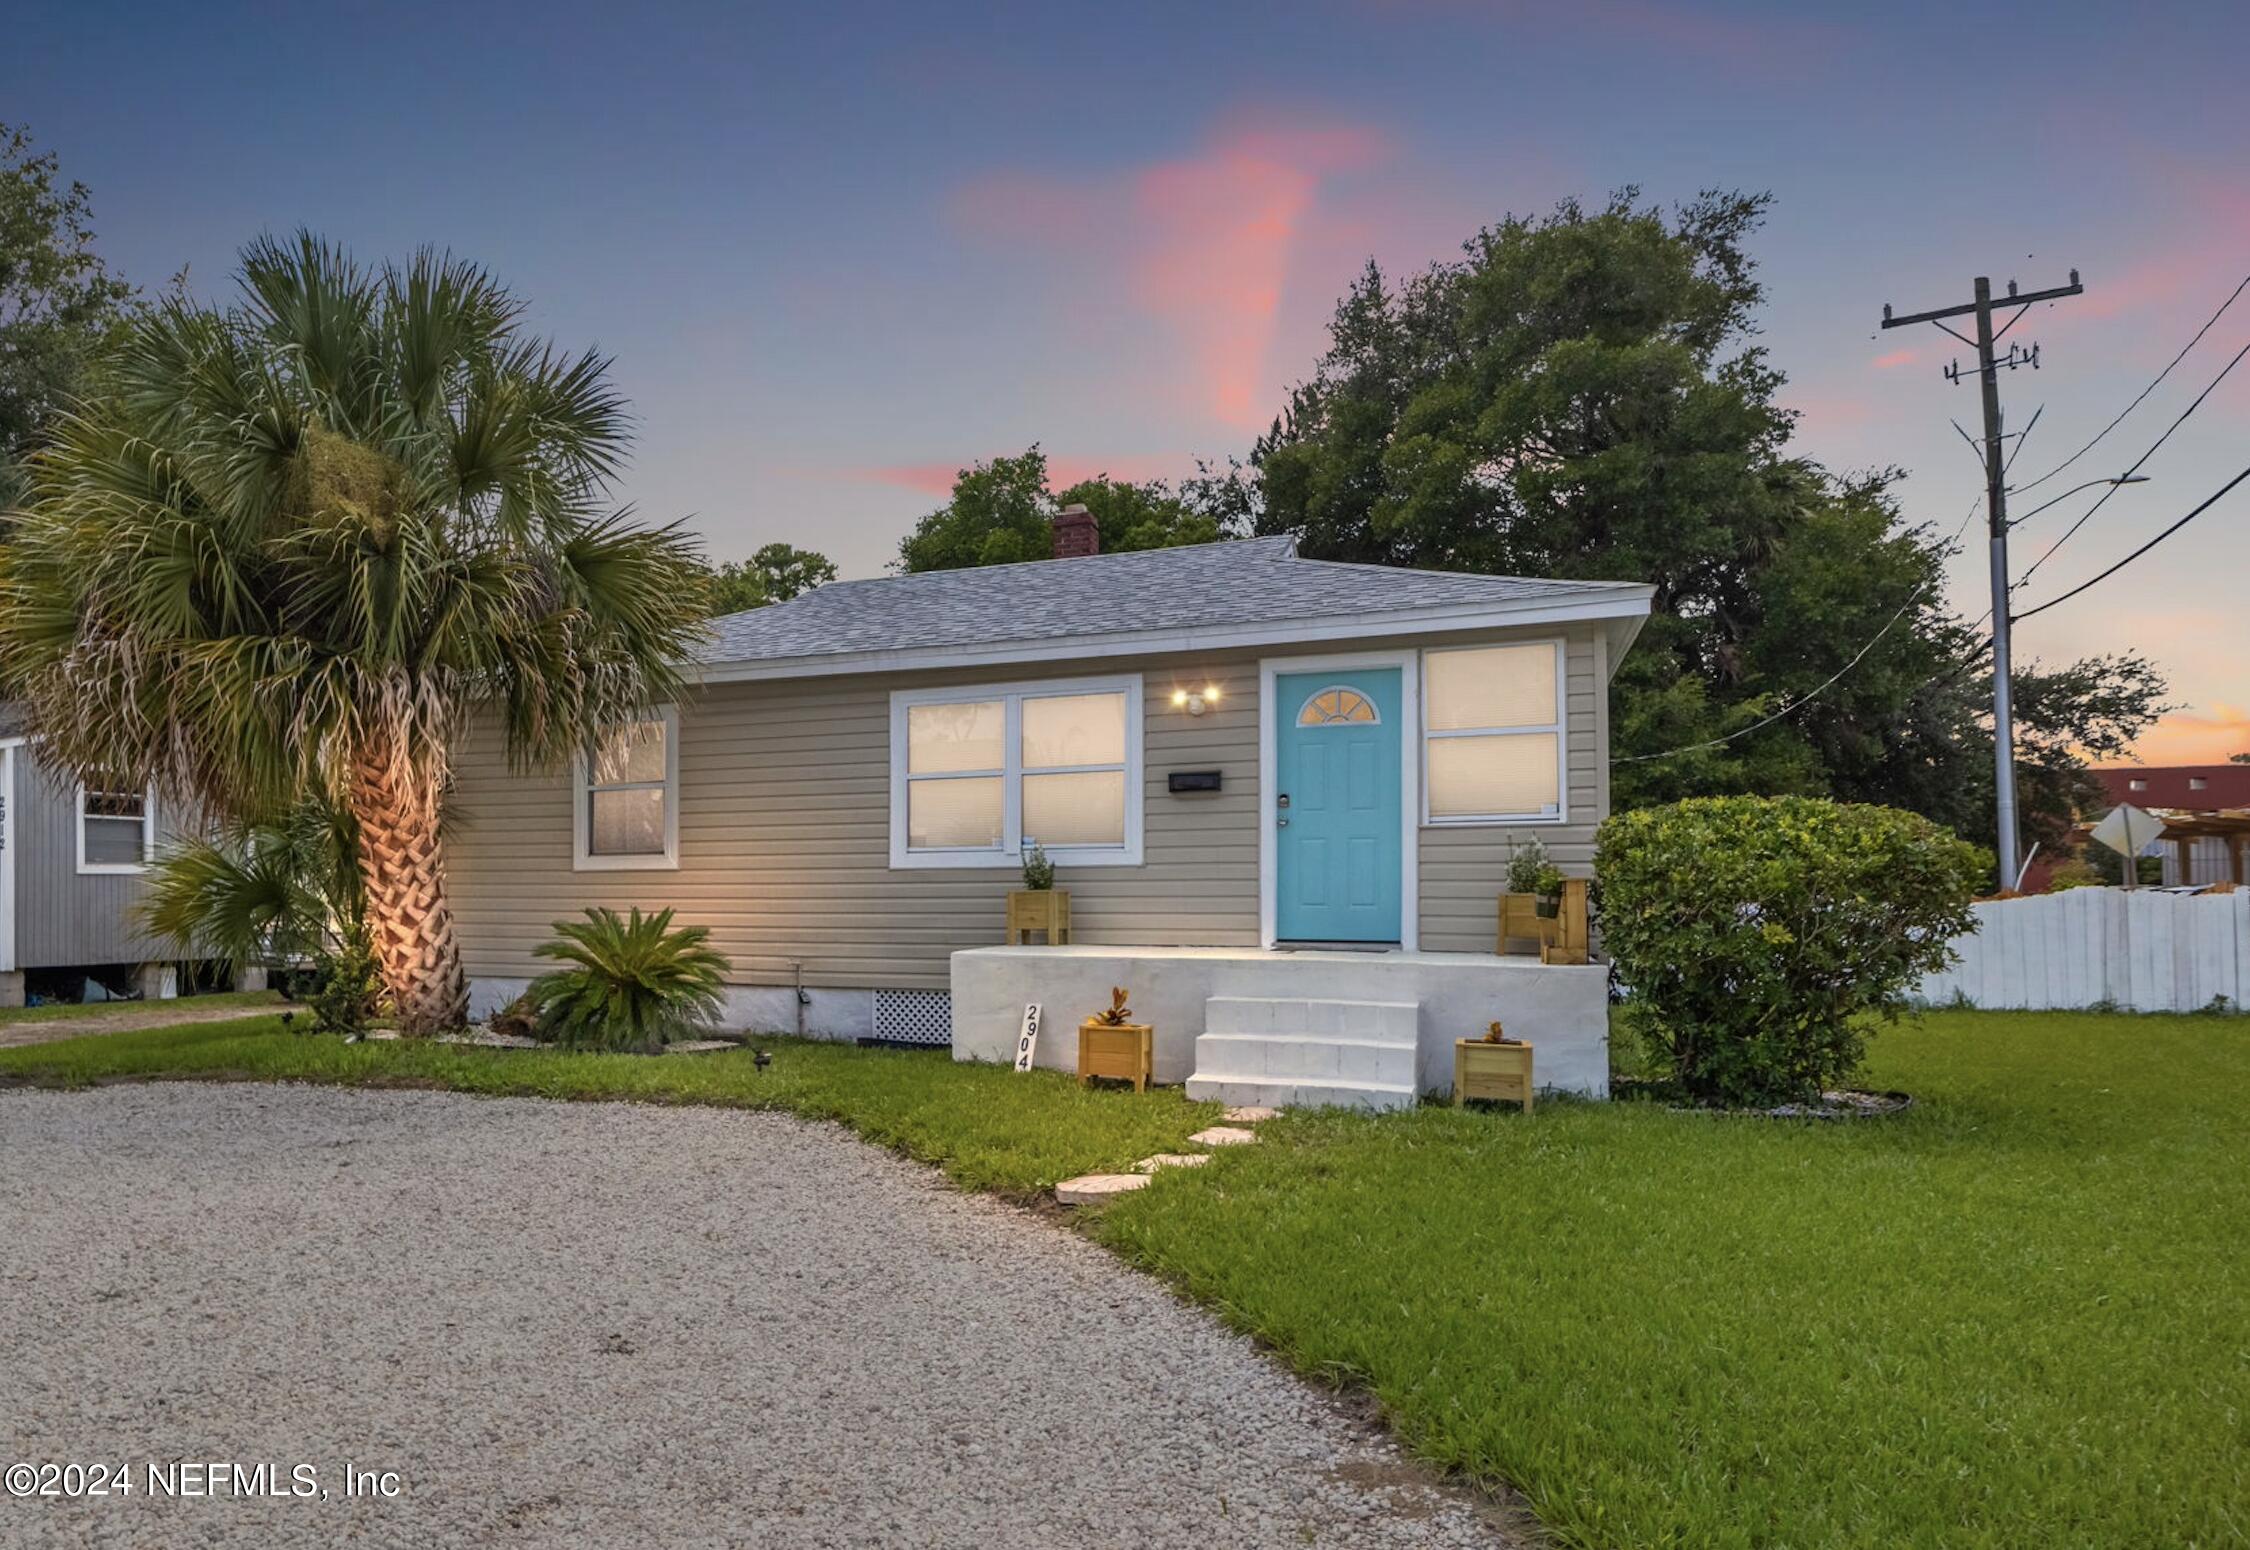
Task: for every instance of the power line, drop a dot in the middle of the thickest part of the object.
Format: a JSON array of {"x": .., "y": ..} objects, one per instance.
[
  {"x": 2144, "y": 392},
  {"x": 1825, "y": 685},
  {"x": 1981, "y": 306},
  {"x": 2033, "y": 567},
  {"x": 2143, "y": 549}
]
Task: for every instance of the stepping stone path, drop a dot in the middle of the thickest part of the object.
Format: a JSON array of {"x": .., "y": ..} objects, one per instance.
[
  {"x": 1171, "y": 1160},
  {"x": 1093, "y": 1188}
]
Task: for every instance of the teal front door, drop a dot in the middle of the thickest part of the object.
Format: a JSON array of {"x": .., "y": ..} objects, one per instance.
[{"x": 1336, "y": 806}]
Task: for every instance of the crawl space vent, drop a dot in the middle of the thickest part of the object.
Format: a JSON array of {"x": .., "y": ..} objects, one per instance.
[{"x": 917, "y": 1019}]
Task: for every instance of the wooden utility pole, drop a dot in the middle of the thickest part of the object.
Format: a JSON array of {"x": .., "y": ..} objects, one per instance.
[{"x": 1996, "y": 503}]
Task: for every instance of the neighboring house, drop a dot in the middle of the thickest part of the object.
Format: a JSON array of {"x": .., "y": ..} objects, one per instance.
[
  {"x": 71, "y": 864},
  {"x": 2206, "y": 813},
  {"x": 1281, "y": 792}
]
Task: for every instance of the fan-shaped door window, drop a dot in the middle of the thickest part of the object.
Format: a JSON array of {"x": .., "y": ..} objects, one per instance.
[{"x": 1337, "y": 706}]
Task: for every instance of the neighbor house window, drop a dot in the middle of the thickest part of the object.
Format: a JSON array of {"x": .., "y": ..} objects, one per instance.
[
  {"x": 2136, "y": 785},
  {"x": 628, "y": 796},
  {"x": 1492, "y": 721},
  {"x": 116, "y": 829},
  {"x": 2197, "y": 783},
  {"x": 978, "y": 773}
]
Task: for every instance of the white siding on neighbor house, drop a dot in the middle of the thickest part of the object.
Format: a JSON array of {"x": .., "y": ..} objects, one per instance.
[{"x": 784, "y": 833}]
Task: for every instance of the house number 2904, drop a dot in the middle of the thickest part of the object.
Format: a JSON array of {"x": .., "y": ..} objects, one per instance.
[{"x": 1028, "y": 1040}]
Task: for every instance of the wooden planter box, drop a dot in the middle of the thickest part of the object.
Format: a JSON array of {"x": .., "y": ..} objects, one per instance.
[
  {"x": 1126, "y": 1051},
  {"x": 1563, "y": 937},
  {"x": 1499, "y": 1072},
  {"x": 1038, "y": 909}
]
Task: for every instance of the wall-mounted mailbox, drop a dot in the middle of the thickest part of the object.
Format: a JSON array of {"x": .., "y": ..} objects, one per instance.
[{"x": 1193, "y": 780}]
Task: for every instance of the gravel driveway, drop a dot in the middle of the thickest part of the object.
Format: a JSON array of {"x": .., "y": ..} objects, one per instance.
[{"x": 612, "y": 1326}]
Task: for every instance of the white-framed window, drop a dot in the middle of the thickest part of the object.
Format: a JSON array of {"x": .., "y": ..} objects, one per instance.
[
  {"x": 626, "y": 797},
  {"x": 978, "y": 771},
  {"x": 2198, "y": 783},
  {"x": 1493, "y": 739},
  {"x": 116, "y": 830}
]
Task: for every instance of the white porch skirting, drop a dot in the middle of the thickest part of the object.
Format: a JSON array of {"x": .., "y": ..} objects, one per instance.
[{"x": 1562, "y": 1010}]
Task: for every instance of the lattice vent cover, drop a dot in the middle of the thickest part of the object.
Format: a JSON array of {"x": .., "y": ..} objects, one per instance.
[{"x": 914, "y": 1016}]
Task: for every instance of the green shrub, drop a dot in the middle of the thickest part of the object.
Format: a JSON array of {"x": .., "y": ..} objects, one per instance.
[
  {"x": 1756, "y": 934},
  {"x": 633, "y": 982},
  {"x": 2074, "y": 873},
  {"x": 347, "y": 984}
]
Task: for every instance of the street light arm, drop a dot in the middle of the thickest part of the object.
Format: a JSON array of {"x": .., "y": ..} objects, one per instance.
[{"x": 2073, "y": 490}]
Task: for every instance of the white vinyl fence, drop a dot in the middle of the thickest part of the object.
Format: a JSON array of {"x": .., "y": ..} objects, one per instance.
[{"x": 2140, "y": 950}]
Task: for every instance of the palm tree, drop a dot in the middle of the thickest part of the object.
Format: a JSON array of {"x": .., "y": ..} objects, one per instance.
[{"x": 300, "y": 542}]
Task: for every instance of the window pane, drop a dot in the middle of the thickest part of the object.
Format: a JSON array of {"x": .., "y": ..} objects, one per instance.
[
  {"x": 953, "y": 814},
  {"x": 1337, "y": 707},
  {"x": 626, "y": 823},
  {"x": 1492, "y": 686},
  {"x": 943, "y": 738},
  {"x": 1075, "y": 809},
  {"x": 116, "y": 804},
  {"x": 1074, "y": 729},
  {"x": 1474, "y": 776},
  {"x": 632, "y": 753},
  {"x": 113, "y": 841}
]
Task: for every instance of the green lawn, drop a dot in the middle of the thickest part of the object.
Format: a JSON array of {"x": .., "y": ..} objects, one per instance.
[
  {"x": 62, "y": 1011},
  {"x": 2014, "y": 1316},
  {"x": 2018, "y": 1315},
  {"x": 985, "y": 1126}
]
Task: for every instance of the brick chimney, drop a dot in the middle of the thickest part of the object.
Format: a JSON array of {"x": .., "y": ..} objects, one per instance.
[{"x": 1076, "y": 533}]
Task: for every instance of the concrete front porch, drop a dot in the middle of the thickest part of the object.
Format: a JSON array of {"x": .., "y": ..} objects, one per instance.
[{"x": 1309, "y": 1026}]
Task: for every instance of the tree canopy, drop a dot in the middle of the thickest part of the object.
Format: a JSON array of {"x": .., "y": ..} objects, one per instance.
[
  {"x": 58, "y": 304},
  {"x": 296, "y": 544},
  {"x": 1002, "y": 512},
  {"x": 1580, "y": 395},
  {"x": 774, "y": 574}
]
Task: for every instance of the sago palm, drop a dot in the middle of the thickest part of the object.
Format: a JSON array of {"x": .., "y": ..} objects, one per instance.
[
  {"x": 628, "y": 981},
  {"x": 301, "y": 541}
]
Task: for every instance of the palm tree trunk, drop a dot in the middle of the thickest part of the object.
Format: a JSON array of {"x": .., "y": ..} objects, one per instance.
[{"x": 402, "y": 862}]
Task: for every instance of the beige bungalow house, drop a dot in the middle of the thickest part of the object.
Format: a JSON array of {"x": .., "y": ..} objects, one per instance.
[{"x": 1281, "y": 792}]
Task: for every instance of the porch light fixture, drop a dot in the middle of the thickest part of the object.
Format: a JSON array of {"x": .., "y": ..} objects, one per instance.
[{"x": 1195, "y": 702}]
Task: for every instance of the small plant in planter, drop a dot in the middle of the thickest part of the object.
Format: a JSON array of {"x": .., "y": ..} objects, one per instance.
[
  {"x": 1038, "y": 868},
  {"x": 1493, "y": 1068},
  {"x": 1111, "y": 1044},
  {"x": 1530, "y": 872}
]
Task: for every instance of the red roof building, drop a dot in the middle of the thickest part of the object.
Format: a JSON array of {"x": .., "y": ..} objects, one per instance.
[{"x": 2206, "y": 813}]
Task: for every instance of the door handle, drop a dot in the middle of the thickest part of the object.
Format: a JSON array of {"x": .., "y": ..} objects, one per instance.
[{"x": 1281, "y": 823}]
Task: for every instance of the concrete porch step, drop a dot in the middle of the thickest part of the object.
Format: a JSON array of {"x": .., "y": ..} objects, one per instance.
[
  {"x": 1298, "y": 1057},
  {"x": 1391, "y": 1021},
  {"x": 1224, "y": 1087}
]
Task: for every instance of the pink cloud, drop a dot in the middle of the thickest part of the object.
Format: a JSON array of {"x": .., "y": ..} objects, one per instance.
[
  {"x": 1204, "y": 244},
  {"x": 1896, "y": 358},
  {"x": 1820, "y": 411}
]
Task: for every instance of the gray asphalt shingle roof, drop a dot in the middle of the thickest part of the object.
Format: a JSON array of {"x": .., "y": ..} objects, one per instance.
[{"x": 1245, "y": 581}]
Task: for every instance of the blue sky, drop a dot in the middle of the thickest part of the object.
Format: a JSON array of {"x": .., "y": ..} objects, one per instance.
[{"x": 838, "y": 252}]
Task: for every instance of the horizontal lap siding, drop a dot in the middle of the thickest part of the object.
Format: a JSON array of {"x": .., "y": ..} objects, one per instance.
[
  {"x": 63, "y": 919},
  {"x": 785, "y": 849},
  {"x": 784, "y": 835},
  {"x": 1464, "y": 869}
]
